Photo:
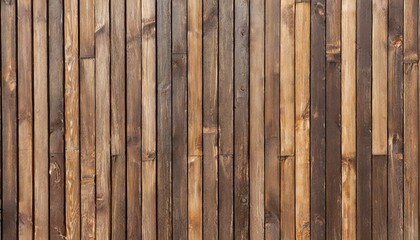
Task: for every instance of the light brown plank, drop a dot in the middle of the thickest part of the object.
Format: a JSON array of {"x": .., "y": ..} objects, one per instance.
[{"x": 87, "y": 28}]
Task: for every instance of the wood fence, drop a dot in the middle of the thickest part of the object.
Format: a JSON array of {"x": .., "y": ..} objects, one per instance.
[{"x": 214, "y": 119}]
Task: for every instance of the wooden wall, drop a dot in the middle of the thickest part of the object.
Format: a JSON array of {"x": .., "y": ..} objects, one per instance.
[{"x": 214, "y": 119}]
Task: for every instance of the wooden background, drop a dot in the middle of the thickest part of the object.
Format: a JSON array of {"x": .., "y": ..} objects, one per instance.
[{"x": 214, "y": 119}]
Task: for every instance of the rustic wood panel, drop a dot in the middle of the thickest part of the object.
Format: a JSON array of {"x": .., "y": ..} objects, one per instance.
[{"x": 209, "y": 119}]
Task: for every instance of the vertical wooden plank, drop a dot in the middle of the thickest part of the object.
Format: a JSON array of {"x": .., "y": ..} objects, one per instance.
[
  {"x": 210, "y": 116},
  {"x": 287, "y": 118},
  {"x": 179, "y": 120},
  {"x": 133, "y": 58},
  {"x": 272, "y": 128},
  {"x": 102, "y": 123},
  {"x": 348, "y": 119},
  {"x": 226, "y": 49},
  {"x": 317, "y": 119},
  {"x": 71, "y": 103},
  {"x": 25, "y": 119},
  {"x": 149, "y": 119},
  {"x": 241, "y": 120},
  {"x": 87, "y": 29},
  {"x": 56, "y": 119},
  {"x": 40, "y": 58},
  {"x": 87, "y": 146},
  {"x": 164, "y": 114},
  {"x": 379, "y": 197},
  {"x": 256, "y": 139},
  {"x": 9, "y": 211},
  {"x": 395, "y": 120},
  {"x": 302, "y": 110},
  {"x": 195, "y": 218},
  {"x": 118, "y": 146},
  {"x": 411, "y": 121},
  {"x": 332, "y": 121}
]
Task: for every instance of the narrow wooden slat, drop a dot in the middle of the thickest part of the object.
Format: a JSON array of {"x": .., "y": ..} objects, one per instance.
[
  {"x": 348, "y": 119},
  {"x": 210, "y": 116},
  {"x": 87, "y": 147},
  {"x": 317, "y": 133},
  {"x": 226, "y": 48},
  {"x": 87, "y": 29},
  {"x": 179, "y": 120},
  {"x": 379, "y": 197},
  {"x": 71, "y": 115},
  {"x": 9, "y": 160},
  {"x": 395, "y": 120},
  {"x": 149, "y": 119},
  {"x": 287, "y": 118},
  {"x": 241, "y": 120},
  {"x": 56, "y": 119},
  {"x": 256, "y": 121},
  {"x": 41, "y": 165},
  {"x": 302, "y": 110},
  {"x": 411, "y": 121},
  {"x": 332, "y": 121},
  {"x": 164, "y": 115},
  {"x": 118, "y": 144},
  {"x": 195, "y": 98},
  {"x": 102, "y": 123}
]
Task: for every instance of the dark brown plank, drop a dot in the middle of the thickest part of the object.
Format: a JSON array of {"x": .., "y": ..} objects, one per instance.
[
  {"x": 210, "y": 116},
  {"x": 56, "y": 119},
  {"x": 379, "y": 197},
  {"x": 395, "y": 120},
  {"x": 9, "y": 160},
  {"x": 332, "y": 121},
  {"x": 164, "y": 115},
  {"x": 318, "y": 119}
]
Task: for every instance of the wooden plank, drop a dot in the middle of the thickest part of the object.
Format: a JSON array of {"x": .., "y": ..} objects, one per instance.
[
  {"x": 9, "y": 160},
  {"x": 56, "y": 119},
  {"x": 71, "y": 115},
  {"x": 87, "y": 147},
  {"x": 379, "y": 76},
  {"x": 411, "y": 121},
  {"x": 256, "y": 139},
  {"x": 241, "y": 120},
  {"x": 272, "y": 116},
  {"x": 348, "y": 119},
  {"x": 395, "y": 120},
  {"x": 118, "y": 144},
  {"x": 195, "y": 218},
  {"x": 302, "y": 110},
  {"x": 87, "y": 29},
  {"x": 133, "y": 58},
  {"x": 210, "y": 116},
  {"x": 41, "y": 165},
  {"x": 287, "y": 119},
  {"x": 179, "y": 120},
  {"x": 226, "y": 48},
  {"x": 332, "y": 121},
  {"x": 102, "y": 123},
  {"x": 379, "y": 197},
  {"x": 164, "y": 117},
  {"x": 149, "y": 119},
  {"x": 25, "y": 119}
]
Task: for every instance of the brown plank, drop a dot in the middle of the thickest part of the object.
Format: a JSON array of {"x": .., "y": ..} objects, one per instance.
[
  {"x": 118, "y": 144},
  {"x": 195, "y": 218},
  {"x": 9, "y": 161},
  {"x": 56, "y": 119},
  {"x": 41, "y": 165},
  {"x": 210, "y": 116},
  {"x": 179, "y": 120},
  {"x": 87, "y": 29},
  {"x": 318, "y": 119},
  {"x": 164, "y": 117},
  {"x": 302, "y": 110},
  {"x": 103, "y": 121},
  {"x": 256, "y": 121},
  {"x": 379, "y": 197},
  {"x": 133, "y": 61},
  {"x": 149, "y": 120},
  {"x": 395, "y": 120},
  {"x": 87, "y": 147}
]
